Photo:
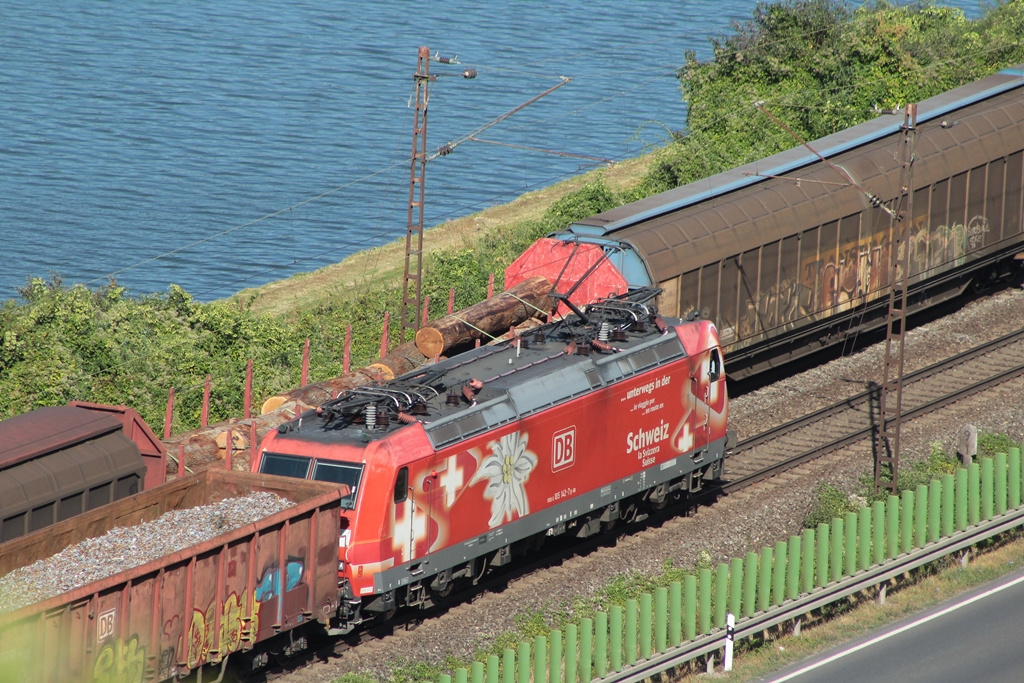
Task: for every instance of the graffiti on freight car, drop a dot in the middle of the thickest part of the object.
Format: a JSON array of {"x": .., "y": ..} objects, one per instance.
[
  {"x": 120, "y": 662},
  {"x": 237, "y": 621},
  {"x": 850, "y": 275}
]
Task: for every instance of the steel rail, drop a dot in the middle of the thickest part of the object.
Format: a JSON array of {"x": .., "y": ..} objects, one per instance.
[{"x": 852, "y": 402}]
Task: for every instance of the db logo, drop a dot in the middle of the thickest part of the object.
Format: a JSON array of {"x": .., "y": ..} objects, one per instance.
[
  {"x": 105, "y": 624},
  {"x": 563, "y": 449}
]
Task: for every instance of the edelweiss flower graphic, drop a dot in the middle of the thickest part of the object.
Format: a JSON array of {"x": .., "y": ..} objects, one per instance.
[{"x": 507, "y": 469}]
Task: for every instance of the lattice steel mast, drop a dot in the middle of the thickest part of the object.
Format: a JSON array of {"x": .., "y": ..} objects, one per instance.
[{"x": 887, "y": 434}]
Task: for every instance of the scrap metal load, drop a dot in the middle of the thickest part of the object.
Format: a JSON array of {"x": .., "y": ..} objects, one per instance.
[{"x": 220, "y": 597}]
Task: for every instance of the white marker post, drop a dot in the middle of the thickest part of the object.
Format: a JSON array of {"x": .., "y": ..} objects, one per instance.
[{"x": 730, "y": 636}]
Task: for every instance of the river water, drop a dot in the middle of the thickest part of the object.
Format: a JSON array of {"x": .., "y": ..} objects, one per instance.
[{"x": 224, "y": 145}]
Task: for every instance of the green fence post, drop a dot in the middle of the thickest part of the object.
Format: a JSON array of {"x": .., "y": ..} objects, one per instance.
[
  {"x": 630, "y": 635},
  {"x": 572, "y": 653},
  {"x": 600, "y": 645},
  {"x": 850, "y": 547},
  {"x": 934, "y": 510},
  {"x": 906, "y": 521},
  {"x": 807, "y": 562},
  {"x": 690, "y": 600},
  {"x": 892, "y": 526},
  {"x": 736, "y": 587},
  {"x": 878, "y": 532},
  {"x": 973, "y": 493},
  {"x": 1013, "y": 479},
  {"x": 835, "y": 561},
  {"x": 999, "y": 463},
  {"x": 586, "y": 649},
  {"x": 721, "y": 594},
  {"x": 462, "y": 675},
  {"x": 704, "y": 607},
  {"x": 661, "y": 618},
  {"x": 445, "y": 678},
  {"x": 962, "y": 505},
  {"x": 779, "y": 573},
  {"x": 615, "y": 638},
  {"x": 764, "y": 578},
  {"x": 821, "y": 561},
  {"x": 555, "y": 658},
  {"x": 1016, "y": 454},
  {"x": 987, "y": 488},
  {"x": 508, "y": 665},
  {"x": 646, "y": 624},
  {"x": 948, "y": 493},
  {"x": 477, "y": 672},
  {"x": 750, "y": 585},
  {"x": 920, "y": 516},
  {"x": 864, "y": 538},
  {"x": 493, "y": 669},
  {"x": 523, "y": 662},
  {"x": 675, "y": 613},
  {"x": 540, "y": 659},
  {"x": 793, "y": 568}
]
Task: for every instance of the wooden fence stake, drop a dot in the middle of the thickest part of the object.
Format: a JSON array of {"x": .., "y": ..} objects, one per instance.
[
  {"x": 248, "y": 391},
  {"x": 347, "y": 359},
  {"x": 451, "y": 300},
  {"x": 181, "y": 460},
  {"x": 426, "y": 310},
  {"x": 205, "y": 418},
  {"x": 229, "y": 447},
  {"x": 305, "y": 364},
  {"x": 490, "y": 286},
  {"x": 384, "y": 335},
  {"x": 169, "y": 415}
]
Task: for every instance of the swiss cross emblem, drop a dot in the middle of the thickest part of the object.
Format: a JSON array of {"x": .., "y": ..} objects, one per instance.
[{"x": 563, "y": 449}]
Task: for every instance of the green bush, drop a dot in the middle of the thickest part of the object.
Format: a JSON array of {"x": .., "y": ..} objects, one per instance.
[{"x": 831, "y": 502}]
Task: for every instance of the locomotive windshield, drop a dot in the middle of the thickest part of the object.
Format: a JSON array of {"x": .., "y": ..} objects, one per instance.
[{"x": 347, "y": 475}]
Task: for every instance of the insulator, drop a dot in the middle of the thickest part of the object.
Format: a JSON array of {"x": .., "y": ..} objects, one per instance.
[
  {"x": 583, "y": 349},
  {"x": 418, "y": 408},
  {"x": 406, "y": 418},
  {"x": 383, "y": 420},
  {"x": 371, "y": 416},
  {"x": 605, "y": 331},
  {"x": 538, "y": 337},
  {"x": 600, "y": 345},
  {"x": 446, "y": 60},
  {"x": 469, "y": 393},
  {"x": 445, "y": 149},
  {"x": 469, "y": 73},
  {"x": 453, "y": 398},
  {"x": 619, "y": 335}
]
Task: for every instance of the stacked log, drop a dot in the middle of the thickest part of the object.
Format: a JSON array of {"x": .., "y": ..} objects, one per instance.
[{"x": 485, "y": 320}]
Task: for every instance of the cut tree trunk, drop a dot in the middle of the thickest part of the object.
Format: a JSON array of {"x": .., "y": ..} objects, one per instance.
[{"x": 486, "y": 319}]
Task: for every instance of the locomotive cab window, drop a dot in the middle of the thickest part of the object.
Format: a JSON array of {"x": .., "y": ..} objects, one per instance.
[
  {"x": 285, "y": 465},
  {"x": 714, "y": 366},
  {"x": 402, "y": 485},
  {"x": 345, "y": 473}
]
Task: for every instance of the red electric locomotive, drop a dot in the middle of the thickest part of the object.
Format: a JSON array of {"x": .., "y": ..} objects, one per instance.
[{"x": 456, "y": 467}]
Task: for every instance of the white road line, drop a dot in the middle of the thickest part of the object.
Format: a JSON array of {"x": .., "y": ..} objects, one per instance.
[{"x": 907, "y": 627}]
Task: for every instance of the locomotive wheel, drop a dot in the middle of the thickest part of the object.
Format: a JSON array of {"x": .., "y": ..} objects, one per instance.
[{"x": 443, "y": 585}]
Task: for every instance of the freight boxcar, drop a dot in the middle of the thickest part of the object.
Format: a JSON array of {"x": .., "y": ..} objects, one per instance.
[
  {"x": 456, "y": 467},
  {"x": 240, "y": 594},
  {"x": 792, "y": 253},
  {"x": 61, "y": 461}
]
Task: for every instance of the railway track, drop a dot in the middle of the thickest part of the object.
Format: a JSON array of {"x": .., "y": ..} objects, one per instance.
[
  {"x": 854, "y": 418},
  {"x": 755, "y": 459}
]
